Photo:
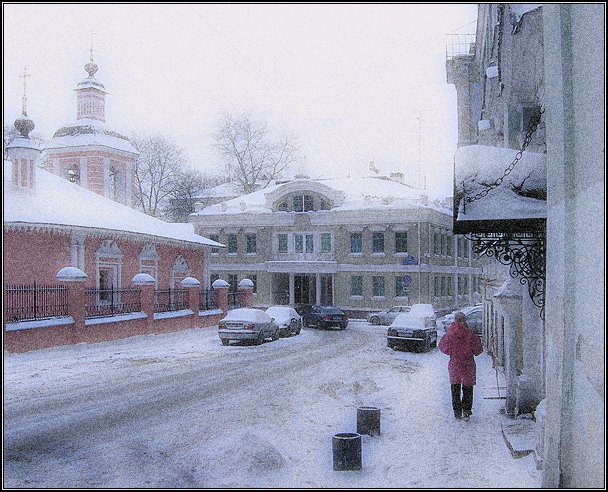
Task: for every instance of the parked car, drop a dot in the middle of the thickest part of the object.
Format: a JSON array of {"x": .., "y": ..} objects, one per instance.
[
  {"x": 247, "y": 324},
  {"x": 425, "y": 311},
  {"x": 387, "y": 316},
  {"x": 409, "y": 331},
  {"x": 324, "y": 317},
  {"x": 475, "y": 321},
  {"x": 287, "y": 319}
]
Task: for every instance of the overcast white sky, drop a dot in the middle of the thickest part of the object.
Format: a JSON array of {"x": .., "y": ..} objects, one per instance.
[{"x": 351, "y": 80}]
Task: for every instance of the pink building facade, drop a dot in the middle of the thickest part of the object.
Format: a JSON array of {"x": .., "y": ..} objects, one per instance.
[{"x": 80, "y": 263}]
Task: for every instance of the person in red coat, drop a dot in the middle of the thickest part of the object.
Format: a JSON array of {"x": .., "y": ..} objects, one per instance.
[{"x": 462, "y": 345}]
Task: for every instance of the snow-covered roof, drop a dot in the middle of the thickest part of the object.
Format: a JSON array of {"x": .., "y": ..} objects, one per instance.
[
  {"x": 519, "y": 9},
  {"x": 89, "y": 132},
  {"x": 57, "y": 202},
  {"x": 368, "y": 192},
  {"x": 521, "y": 195}
]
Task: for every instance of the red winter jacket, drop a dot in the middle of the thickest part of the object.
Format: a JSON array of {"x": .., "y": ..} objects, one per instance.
[{"x": 462, "y": 345}]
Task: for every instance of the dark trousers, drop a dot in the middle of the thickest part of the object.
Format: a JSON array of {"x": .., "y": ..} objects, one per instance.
[{"x": 462, "y": 403}]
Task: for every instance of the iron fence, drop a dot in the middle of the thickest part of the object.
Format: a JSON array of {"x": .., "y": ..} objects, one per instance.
[
  {"x": 34, "y": 302},
  {"x": 110, "y": 302},
  {"x": 235, "y": 299},
  {"x": 207, "y": 299},
  {"x": 166, "y": 300}
]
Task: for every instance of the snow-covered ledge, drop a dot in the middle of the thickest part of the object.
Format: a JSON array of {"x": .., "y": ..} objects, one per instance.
[{"x": 71, "y": 274}]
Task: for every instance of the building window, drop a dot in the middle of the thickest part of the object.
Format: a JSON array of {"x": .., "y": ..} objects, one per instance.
[
  {"x": 325, "y": 242},
  {"x": 437, "y": 287},
  {"x": 73, "y": 174},
  {"x": 216, "y": 238},
  {"x": 251, "y": 244},
  {"x": 298, "y": 243},
  {"x": 282, "y": 243},
  {"x": 378, "y": 286},
  {"x": 378, "y": 242},
  {"x": 401, "y": 288},
  {"x": 437, "y": 243},
  {"x": 148, "y": 261},
  {"x": 283, "y": 207},
  {"x": 443, "y": 286},
  {"x": 323, "y": 205},
  {"x": 310, "y": 243},
  {"x": 303, "y": 203},
  {"x": 232, "y": 244},
  {"x": 108, "y": 270},
  {"x": 465, "y": 247},
  {"x": 233, "y": 281},
  {"x": 450, "y": 245},
  {"x": 400, "y": 242},
  {"x": 213, "y": 277},
  {"x": 356, "y": 286},
  {"x": 356, "y": 242}
]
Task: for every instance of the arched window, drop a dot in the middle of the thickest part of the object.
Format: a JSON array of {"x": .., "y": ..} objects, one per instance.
[
  {"x": 73, "y": 173},
  {"x": 117, "y": 185},
  {"x": 179, "y": 272},
  {"x": 148, "y": 261},
  {"x": 108, "y": 261}
]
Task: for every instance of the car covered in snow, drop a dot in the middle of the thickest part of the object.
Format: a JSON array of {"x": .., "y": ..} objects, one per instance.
[
  {"x": 247, "y": 324},
  {"x": 425, "y": 311},
  {"x": 387, "y": 316},
  {"x": 287, "y": 319},
  {"x": 324, "y": 317},
  {"x": 409, "y": 331}
]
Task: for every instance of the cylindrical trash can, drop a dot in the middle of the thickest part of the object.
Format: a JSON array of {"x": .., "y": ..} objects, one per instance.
[
  {"x": 368, "y": 421},
  {"x": 347, "y": 451}
]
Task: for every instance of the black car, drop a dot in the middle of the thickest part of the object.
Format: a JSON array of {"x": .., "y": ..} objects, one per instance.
[{"x": 324, "y": 317}]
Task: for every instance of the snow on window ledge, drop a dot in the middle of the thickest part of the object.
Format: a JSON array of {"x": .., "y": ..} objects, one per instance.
[
  {"x": 41, "y": 323},
  {"x": 173, "y": 314},
  {"x": 210, "y": 312},
  {"x": 115, "y": 319}
]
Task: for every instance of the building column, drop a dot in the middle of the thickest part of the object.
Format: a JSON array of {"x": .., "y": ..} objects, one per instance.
[
  {"x": 292, "y": 296},
  {"x": 318, "y": 289}
]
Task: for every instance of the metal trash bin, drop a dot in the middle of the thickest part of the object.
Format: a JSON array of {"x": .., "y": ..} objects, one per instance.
[
  {"x": 368, "y": 421},
  {"x": 347, "y": 451}
]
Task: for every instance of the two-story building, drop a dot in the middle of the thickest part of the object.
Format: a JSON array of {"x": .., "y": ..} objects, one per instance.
[{"x": 361, "y": 243}]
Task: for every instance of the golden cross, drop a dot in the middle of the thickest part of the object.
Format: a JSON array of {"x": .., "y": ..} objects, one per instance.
[
  {"x": 92, "y": 37},
  {"x": 24, "y": 98}
]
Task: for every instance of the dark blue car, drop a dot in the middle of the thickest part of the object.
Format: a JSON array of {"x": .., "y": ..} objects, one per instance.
[{"x": 324, "y": 317}]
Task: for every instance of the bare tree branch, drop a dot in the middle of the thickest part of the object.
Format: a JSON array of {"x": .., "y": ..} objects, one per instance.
[{"x": 252, "y": 156}]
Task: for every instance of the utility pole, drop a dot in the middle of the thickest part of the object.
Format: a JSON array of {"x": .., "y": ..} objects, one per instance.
[{"x": 421, "y": 172}]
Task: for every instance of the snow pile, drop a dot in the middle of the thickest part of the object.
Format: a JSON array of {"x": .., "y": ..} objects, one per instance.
[{"x": 522, "y": 194}]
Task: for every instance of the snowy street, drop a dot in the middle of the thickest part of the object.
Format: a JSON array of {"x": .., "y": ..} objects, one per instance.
[{"x": 181, "y": 410}]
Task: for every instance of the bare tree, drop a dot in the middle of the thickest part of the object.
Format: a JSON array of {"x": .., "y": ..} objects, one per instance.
[
  {"x": 186, "y": 193},
  {"x": 252, "y": 155},
  {"x": 158, "y": 171}
]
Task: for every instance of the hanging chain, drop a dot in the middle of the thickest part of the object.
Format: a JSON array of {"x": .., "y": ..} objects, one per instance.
[{"x": 534, "y": 122}]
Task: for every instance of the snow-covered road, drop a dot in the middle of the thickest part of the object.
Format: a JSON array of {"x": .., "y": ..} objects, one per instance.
[{"x": 181, "y": 410}]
